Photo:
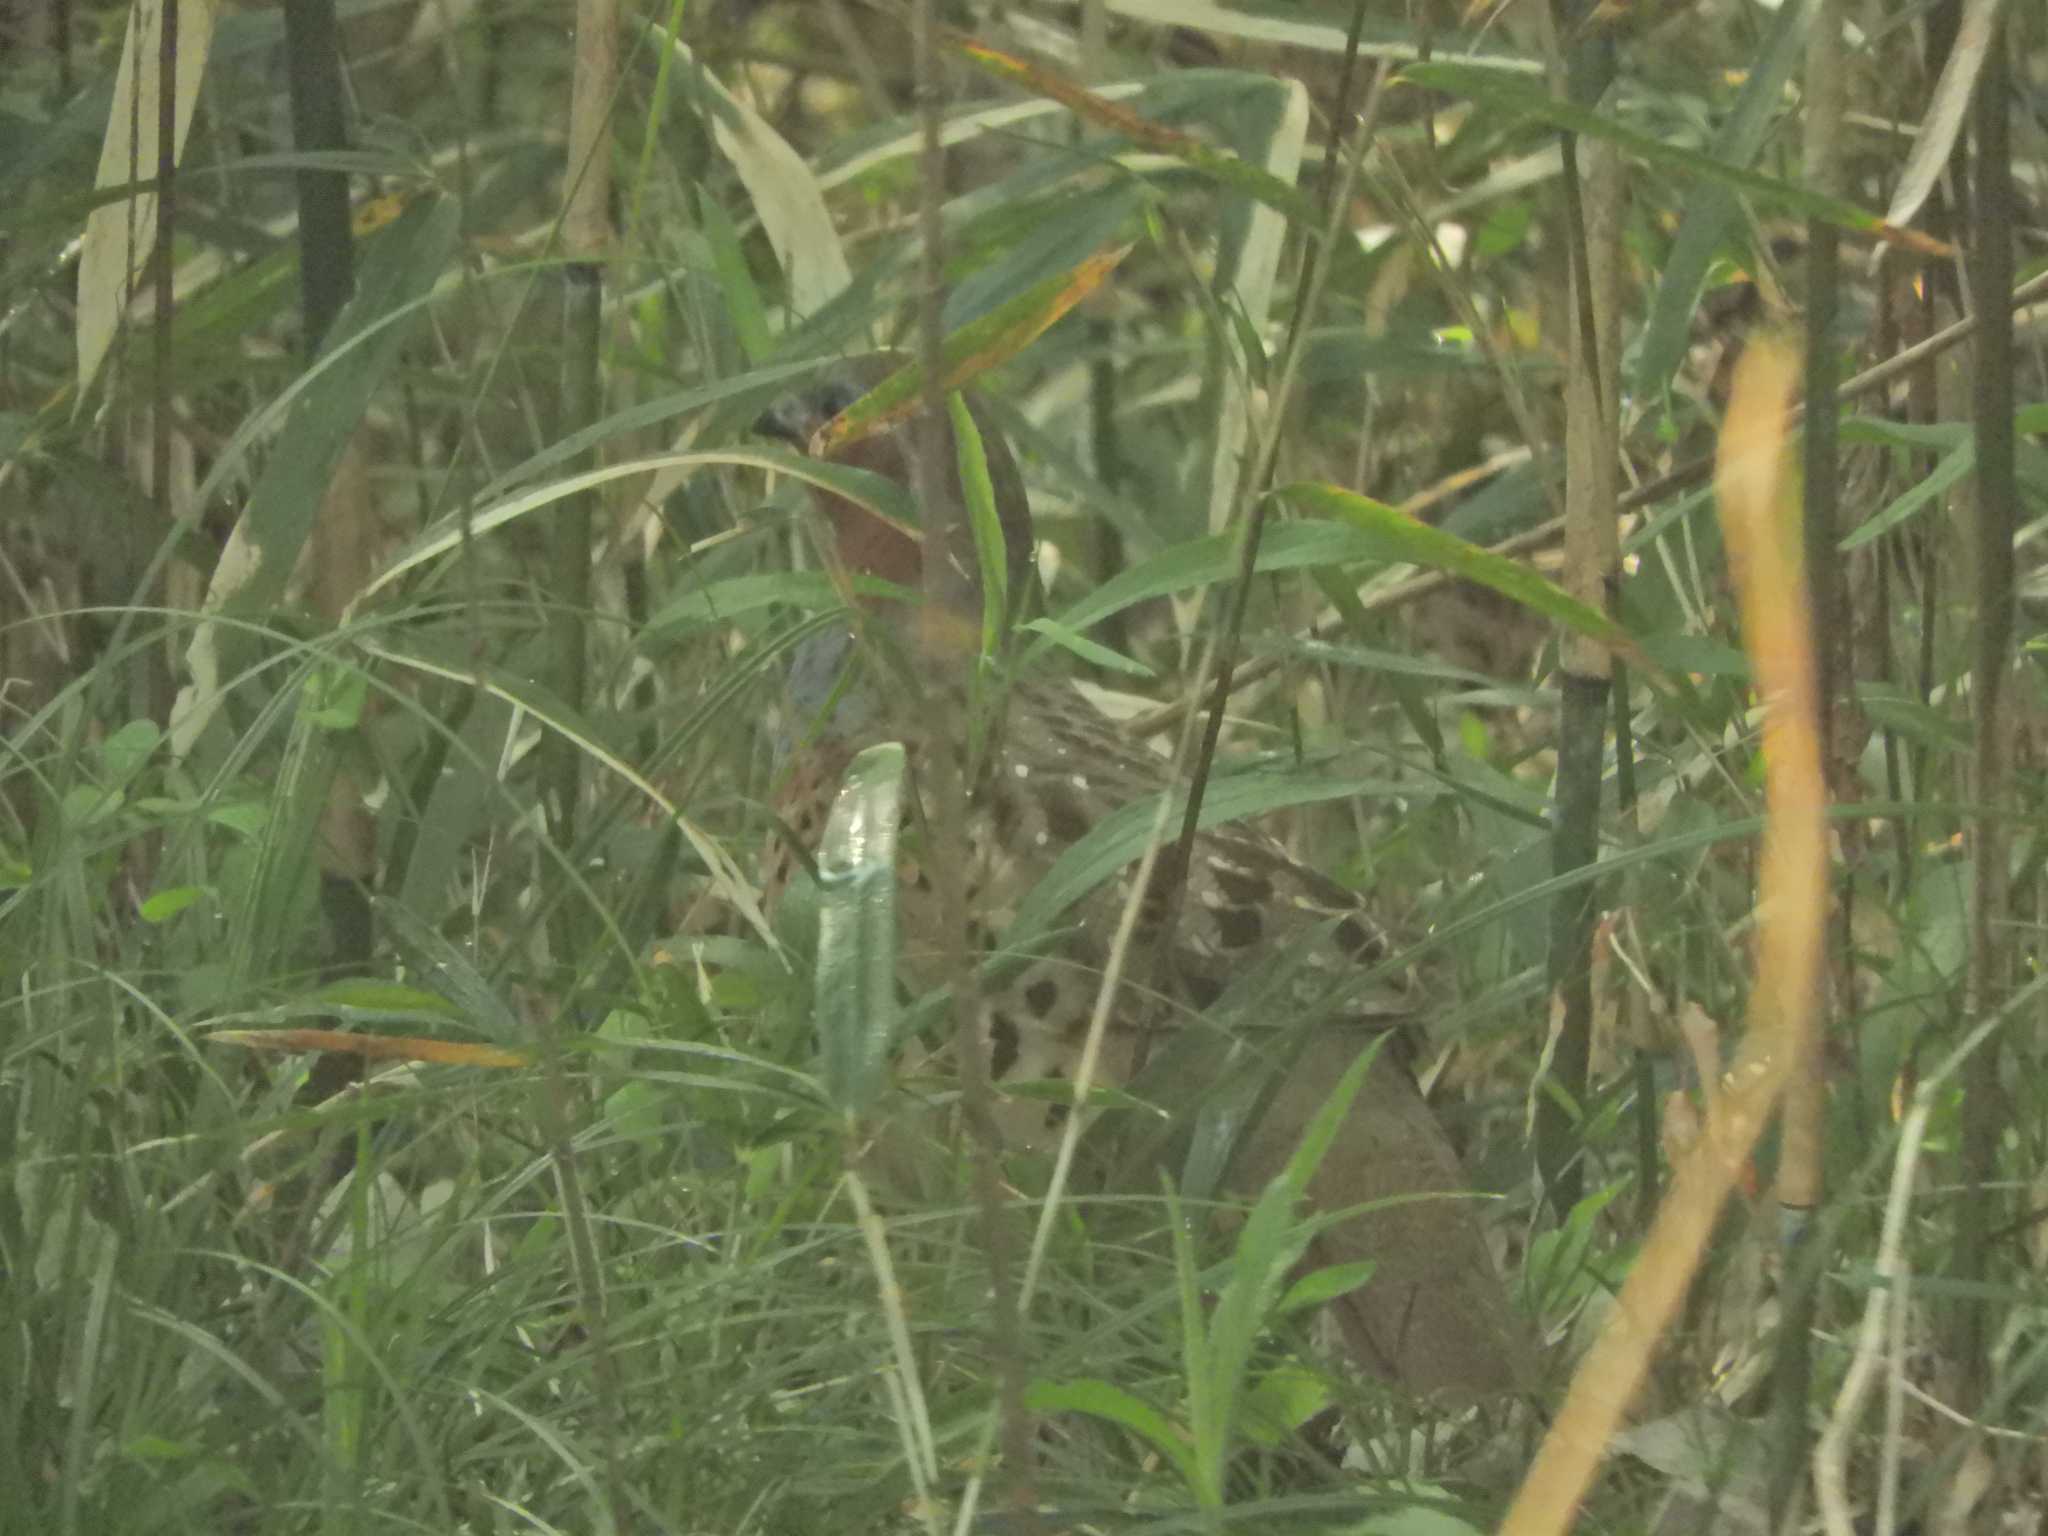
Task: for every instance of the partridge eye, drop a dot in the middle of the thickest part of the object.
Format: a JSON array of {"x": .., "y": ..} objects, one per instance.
[{"x": 837, "y": 396}]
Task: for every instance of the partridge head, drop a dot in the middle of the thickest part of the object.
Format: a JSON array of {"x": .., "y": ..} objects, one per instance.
[
  {"x": 1260, "y": 934},
  {"x": 870, "y": 543}
]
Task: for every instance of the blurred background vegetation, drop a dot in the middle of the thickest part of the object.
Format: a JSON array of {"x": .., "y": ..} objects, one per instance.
[{"x": 392, "y": 598}]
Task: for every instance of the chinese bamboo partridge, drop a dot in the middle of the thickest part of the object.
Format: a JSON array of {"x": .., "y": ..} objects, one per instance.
[{"x": 1257, "y": 938}]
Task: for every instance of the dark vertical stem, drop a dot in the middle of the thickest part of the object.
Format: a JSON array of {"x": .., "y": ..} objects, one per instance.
[
  {"x": 1575, "y": 846},
  {"x": 155, "y": 676},
  {"x": 1802, "y": 1115},
  {"x": 587, "y": 242},
  {"x": 1582, "y": 63},
  {"x": 1643, "y": 1069},
  {"x": 586, "y": 235},
  {"x": 326, "y": 283},
  {"x": 934, "y": 477},
  {"x": 1990, "y": 272},
  {"x": 1625, "y": 792},
  {"x": 570, "y": 542},
  {"x": 319, "y": 124},
  {"x": 1107, "y": 452},
  {"x": 60, "y": 42},
  {"x": 1340, "y": 113}
]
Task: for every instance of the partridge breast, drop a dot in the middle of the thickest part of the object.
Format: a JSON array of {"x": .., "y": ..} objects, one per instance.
[{"x": 1249, "y": 914}]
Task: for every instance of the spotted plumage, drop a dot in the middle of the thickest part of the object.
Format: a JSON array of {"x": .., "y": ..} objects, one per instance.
[{"x": 1059, "y": 770}]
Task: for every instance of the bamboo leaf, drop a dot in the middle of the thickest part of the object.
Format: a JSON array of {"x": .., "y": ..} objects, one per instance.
[
  {"x": 1532, "y": 103},
  {"x": 856, "y": 975},
  {"x": 1401, "y": 537}
]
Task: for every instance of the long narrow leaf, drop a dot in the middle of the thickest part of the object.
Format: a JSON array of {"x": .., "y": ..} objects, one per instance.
[
  {"x": 1401, "y": 537},
  {"x": 857, "y": 1005},
  {"x": 1533, "y": 103}
]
